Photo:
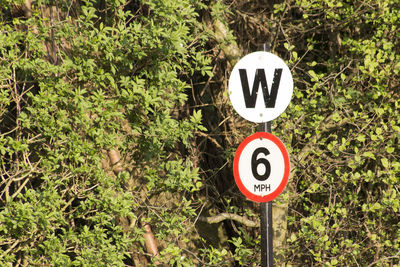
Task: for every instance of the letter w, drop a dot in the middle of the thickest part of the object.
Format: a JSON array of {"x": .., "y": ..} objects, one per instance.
[{"x": 269, "y": 98}]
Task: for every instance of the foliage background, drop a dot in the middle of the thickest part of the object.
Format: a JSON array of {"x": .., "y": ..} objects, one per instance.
[{"x": 114, "y": 115}]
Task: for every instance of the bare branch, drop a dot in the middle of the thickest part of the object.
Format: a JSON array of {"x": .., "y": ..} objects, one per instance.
[
  {"x": 229, "y": 216},
  {"x": 150, "y": 242}
]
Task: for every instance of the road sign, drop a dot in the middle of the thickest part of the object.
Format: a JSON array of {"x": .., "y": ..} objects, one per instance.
[
  {"x": 261, "y": 167},
  {"x": 260, "y": 87}
]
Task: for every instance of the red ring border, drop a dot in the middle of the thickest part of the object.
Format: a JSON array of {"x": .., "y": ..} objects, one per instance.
[{"x": 286, "y": 172}]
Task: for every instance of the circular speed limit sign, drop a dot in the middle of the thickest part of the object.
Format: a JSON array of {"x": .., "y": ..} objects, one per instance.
[{"x": 261, "y": 167}]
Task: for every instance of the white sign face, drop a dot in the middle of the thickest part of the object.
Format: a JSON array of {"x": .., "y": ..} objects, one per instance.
[
  {"x": 260, "y": 87},
  {"x": 261, "y": 167}
]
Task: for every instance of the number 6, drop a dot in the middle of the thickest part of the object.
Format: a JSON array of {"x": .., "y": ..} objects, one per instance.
[{"x": 255, "y": 162}]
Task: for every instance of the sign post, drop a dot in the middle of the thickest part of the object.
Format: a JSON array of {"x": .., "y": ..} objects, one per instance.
[
  {"x": 267, "y": 230},
  {"x": 261, "y": 165}
]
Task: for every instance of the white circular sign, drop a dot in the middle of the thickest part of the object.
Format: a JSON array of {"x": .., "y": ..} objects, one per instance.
[
  {"x": 260, "y": 87},
  {"x": 261, "y": 167}
]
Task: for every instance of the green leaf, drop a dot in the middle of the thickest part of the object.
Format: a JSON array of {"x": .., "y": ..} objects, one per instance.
[
  {"x": 369, "y": 154},
  {"x": 361, "y": 137},
  {"x": 385, "y": 162}
]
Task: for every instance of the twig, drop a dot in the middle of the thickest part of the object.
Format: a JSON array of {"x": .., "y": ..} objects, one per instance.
[{"x": 210, "y": 138}]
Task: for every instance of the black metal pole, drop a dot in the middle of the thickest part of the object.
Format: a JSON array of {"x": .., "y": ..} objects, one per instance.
[{"x": 267, "y": 257}]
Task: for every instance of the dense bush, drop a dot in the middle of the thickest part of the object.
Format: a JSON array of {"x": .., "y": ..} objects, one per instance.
[
  {"x": 79, "y": 81},
  {"x": 345, "y": 140},
  {"x": 102, "y": 133},
  {"x": 342, "y": 127}
]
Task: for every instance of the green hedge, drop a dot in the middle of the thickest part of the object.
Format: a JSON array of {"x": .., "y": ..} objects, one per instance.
[{"x": 78, "y": 80}]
